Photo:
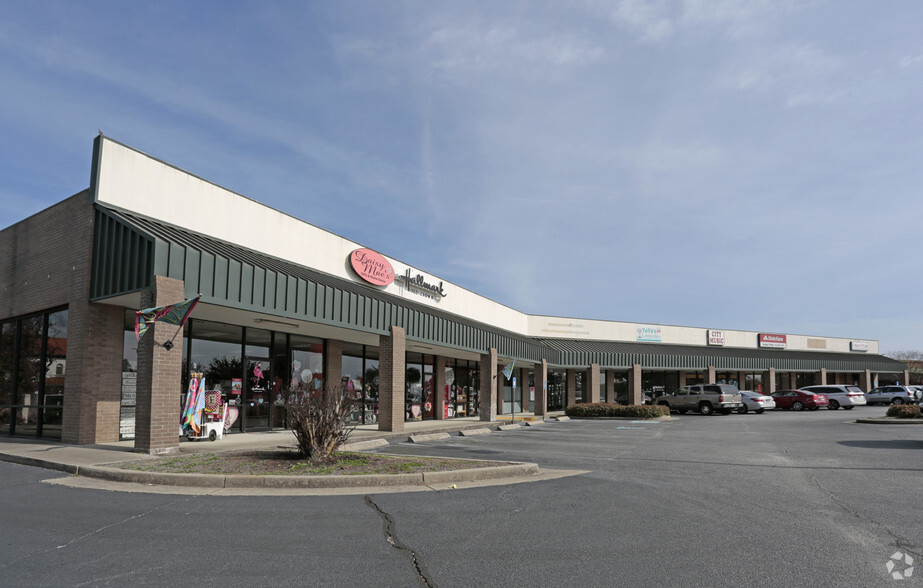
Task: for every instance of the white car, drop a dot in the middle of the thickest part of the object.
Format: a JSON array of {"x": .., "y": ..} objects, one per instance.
[
  {"x": 756, "y": 402},
  {"x": 838, "y": 395}
]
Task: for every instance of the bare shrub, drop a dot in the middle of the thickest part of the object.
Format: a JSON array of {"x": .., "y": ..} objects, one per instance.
[{"x": 320, "y": 420}]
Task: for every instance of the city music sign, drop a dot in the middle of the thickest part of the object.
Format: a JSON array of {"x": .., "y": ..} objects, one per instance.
[{"x": 715, "y": 337}]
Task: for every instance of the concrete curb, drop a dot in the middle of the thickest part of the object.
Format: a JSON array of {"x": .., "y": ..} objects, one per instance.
[
  {"x": 534, "y": 423},
  {"x": 362, "y": 445},
  {"x": 470, "y": 432},
  {"x": 428, "y": 437},
  {"x": 246, "y": 481},
  {"x": 510, "y": 427},
  {"x": 889, "y": 421},
  {"x": 562, "y": 418},
  {"x": 39, "y": 463}
]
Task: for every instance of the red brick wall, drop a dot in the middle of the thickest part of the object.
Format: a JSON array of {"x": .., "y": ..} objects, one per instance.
[{"x": 45, "y": 262}]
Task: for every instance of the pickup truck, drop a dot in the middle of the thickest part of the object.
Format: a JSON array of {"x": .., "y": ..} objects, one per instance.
[{"x": 703, "y": 398}]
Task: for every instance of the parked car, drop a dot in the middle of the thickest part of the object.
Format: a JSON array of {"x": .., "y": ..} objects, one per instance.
[
  {"x": 799, "y": 399},
  {"x": 703, "y": 398},
  {"x": 756, "y": 402},
  {"x": 919, "y": 390},
  {"x": 891, "y": 395},
  {"x": 837, "y": 395}
]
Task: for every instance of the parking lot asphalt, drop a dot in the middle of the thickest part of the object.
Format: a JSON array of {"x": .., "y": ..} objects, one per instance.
[{"x": 92, "y": 465}]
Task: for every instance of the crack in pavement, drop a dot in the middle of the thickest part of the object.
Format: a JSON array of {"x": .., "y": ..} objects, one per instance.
[
  {"x": 390, "y": 528},
  {"x": 902, "y": 543}
]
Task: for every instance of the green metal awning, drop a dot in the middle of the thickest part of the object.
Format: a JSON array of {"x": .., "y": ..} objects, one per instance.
[
  {"x": 622, "y": 355},
  {"x": 129, "y": 250}
]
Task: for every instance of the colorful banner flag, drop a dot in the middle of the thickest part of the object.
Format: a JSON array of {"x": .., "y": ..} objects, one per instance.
[
  {"x": 508, "y": 370},
  {"x": 174, "y": 314}
]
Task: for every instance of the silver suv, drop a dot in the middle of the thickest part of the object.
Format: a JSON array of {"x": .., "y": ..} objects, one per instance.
[
  {"x": 837, "y": 395},
  {"x": 891, "y": 395}
]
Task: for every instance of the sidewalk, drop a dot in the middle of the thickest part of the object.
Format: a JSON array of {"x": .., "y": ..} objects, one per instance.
[{"x": 91, "y": 460}]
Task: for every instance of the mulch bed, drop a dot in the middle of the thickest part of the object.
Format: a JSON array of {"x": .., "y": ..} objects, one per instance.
[{"x": 288, "y": 463}]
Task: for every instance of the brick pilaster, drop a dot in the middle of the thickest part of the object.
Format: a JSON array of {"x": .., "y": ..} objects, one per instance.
[
  {"x": 487, "y": 397},
  {"x": 159, "y": 389},
  {"x": 541, "y": 388},
  {"x": 392, "y": 364},
  {"x": 635, "y": 396},
  {"x": 571, "y": 394},
  {"x": 592, "y": 394},
  {"x": 439, "y": 391}
]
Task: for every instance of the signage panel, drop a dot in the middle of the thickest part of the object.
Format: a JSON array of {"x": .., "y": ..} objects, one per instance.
[
  {"x": 858, "y": 346},
  {"x": 715, "y": 337},
  {"x": 774, "y": 341},
  {"x": 371, "y": 267},
  {"x": 652, "y": 334}
]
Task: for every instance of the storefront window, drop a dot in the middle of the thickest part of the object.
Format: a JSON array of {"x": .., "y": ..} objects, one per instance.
[
  {"x": 429, "y": 396},
  {"x": 557, "y": 389},
  {"x": 413, "y": 387},
  {"x": 351, "y": 368},
  {"x": 214, "y": 349},
  {"x": 55, "y": 373},
  {"x": 7, "y": 364},
  {"x": 620, "y": 387},
  {"x": 29, "y": 375}
]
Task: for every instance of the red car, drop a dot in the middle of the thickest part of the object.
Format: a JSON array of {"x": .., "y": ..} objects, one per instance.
[{"x": 799, "y": 399}]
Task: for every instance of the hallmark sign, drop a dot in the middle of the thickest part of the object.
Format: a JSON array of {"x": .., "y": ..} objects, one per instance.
[
  {"x": 417, "y": 284},
  {"x": 858, "y": 346}
]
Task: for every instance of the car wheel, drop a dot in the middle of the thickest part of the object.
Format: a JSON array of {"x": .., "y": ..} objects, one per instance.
[
  {"x": 760, "y": 410},
  {"x": 706, "y": 409},
  {"x": 897, "y": 401},
  {"x": 682, "y": 411},
  {"x": 743, "y": 409},
  {"x": 213, "y": 435},
  {"x": 833, "y": 405},
  {"x": 797, "y": 405}
]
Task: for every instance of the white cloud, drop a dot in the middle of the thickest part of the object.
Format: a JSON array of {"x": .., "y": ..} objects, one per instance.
[{"x": 911, "y": 60}]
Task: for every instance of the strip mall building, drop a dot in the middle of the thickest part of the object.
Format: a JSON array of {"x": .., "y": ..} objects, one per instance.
[{"x": 287, "y": 306}]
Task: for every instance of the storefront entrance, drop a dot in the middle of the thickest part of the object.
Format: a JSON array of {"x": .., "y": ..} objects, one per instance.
[{"x": 257, "y": 398}]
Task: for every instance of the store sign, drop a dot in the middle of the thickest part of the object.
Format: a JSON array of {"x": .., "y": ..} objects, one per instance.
[
  {"x": 371, "y": 267},
  {"x": 715, "y": 337},
  {"x": 858, "y": 346},
  {"x": 418, "y": 284},
  {"x": 774, "y": 341},
  {"x": 651, "y": 334}
]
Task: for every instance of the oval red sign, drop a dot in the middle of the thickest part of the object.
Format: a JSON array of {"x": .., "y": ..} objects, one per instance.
[{"x": 371, "y": 267}]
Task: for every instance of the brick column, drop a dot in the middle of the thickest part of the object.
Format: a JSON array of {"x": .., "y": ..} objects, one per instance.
[
  {"x": 159, "y": 386},
  {"x": 333, "y": 363},
  {"x": 711, "y": 377},
  {"x": 541, "y": 388},
  {"x": 682, "y": 379},
  {"x": 593, "y": 383},
  {"x": 392, "y": 364},
  {"x": 610, "y": 385},
  {"x": 635, "y": 395},
  {"x": 906, "y": 377},
  {"x": 571, "y": 388},
  {"x": 439, "y": 387},
  {"x": 823, "y": 377},
  {"x": 742, "y": 380},
  {"x": 865, "y": 380},
  {"x": 487, "y": 399},
  {"x": 769, "y": 381},
  {"x": 524, "y": 388},
  {"x": 793, "y": 380}
]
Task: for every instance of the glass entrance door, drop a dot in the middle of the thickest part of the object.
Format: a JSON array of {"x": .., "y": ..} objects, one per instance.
[{"x": 257, "y": 402}]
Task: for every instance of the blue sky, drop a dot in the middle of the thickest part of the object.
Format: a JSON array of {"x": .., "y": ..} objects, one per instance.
[{"x": 728, "y": 164}]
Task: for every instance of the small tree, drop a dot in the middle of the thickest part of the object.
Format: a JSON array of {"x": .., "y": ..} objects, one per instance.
[{"x": 320, "y": 420}]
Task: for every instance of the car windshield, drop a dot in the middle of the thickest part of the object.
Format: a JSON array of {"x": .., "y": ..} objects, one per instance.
[{"x": 854, "y": 389}]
